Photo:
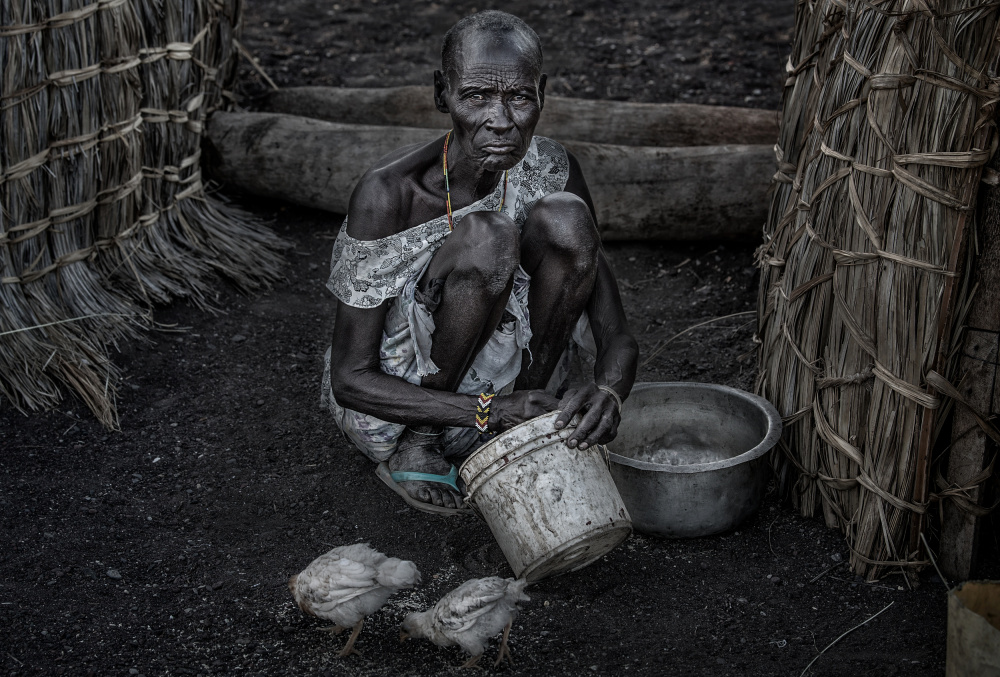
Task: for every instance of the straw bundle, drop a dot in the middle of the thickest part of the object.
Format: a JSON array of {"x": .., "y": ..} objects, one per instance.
[
  {"x": 887, "y": 123},
  {"x": 102, "y": 209}
]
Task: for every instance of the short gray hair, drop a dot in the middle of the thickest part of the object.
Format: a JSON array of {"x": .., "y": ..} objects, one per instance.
[{"x": 499, "y": 25}]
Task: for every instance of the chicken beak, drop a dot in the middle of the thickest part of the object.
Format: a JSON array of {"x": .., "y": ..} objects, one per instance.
[{"x": 403, "y": 636}]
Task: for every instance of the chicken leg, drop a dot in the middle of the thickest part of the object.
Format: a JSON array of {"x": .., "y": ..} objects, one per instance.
[
  {"x": 349, "y": 647},
  {"x": 472, "y": 662},
  {"x": 504, "y": 651}
]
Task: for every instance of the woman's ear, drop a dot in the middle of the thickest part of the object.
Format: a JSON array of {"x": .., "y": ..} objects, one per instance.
[{"x": 440, "y": 87}]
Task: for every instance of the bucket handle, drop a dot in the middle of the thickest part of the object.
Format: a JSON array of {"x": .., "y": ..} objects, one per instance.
[{"x": 469, "y": 503}]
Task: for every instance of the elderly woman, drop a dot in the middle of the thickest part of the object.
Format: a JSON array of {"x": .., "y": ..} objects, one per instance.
[{"x": 468, "y": 271}]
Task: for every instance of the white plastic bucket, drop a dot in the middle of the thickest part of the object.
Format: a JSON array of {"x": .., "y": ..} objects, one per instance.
[{"x": 551, "y": 508}]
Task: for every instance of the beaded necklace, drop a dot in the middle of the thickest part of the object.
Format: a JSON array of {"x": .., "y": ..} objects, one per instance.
[{"x": 447, "y": 188}]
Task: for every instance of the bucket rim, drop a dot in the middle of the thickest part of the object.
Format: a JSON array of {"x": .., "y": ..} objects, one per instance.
[
  {"x": 487, "y": 448},
  {"x": 622, "y": 526},
  {"x": 774, "y": 428}
]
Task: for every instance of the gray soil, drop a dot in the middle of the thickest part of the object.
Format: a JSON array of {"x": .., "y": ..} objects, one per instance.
[{"x": 165, "y": 548}]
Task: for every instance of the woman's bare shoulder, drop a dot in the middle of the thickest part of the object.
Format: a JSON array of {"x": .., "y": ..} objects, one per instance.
[{"x": 381, "y": 202}]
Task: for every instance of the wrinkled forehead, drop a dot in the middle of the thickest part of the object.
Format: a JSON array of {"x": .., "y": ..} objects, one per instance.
[{"x": 510, "y": 55}]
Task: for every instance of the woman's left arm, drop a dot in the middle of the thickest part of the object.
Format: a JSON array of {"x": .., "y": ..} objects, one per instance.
[
  {"x": 617, "y": 357},
  {"x": 617, "y": 350}
]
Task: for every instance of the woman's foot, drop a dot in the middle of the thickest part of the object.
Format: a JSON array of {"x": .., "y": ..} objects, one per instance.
[{"x": 420, "y": 450}]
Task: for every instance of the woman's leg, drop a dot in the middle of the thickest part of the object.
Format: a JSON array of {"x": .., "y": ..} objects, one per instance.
[{"x": 468, "y": 282}]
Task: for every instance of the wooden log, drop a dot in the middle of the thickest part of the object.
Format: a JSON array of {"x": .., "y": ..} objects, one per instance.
[
  {"x": 689, "y": 193},
  {"x": 564, "y": 119},
  {"x": 694, "y": 193},
  {"x": 979, "y": 367}
]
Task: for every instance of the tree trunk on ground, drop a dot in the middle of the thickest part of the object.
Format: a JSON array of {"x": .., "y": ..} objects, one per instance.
[
  {"x": 615, "y": 122},
  {"x": 694, "y": 193}
]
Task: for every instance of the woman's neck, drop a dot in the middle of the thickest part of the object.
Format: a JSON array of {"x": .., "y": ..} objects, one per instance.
[{"x": 468, "y": 180}]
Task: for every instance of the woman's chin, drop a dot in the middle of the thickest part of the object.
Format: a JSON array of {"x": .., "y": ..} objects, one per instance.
[{"x": 499, "y": 162}]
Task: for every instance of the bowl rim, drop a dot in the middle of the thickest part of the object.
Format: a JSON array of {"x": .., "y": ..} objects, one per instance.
[{"x": 774, "y": 427}]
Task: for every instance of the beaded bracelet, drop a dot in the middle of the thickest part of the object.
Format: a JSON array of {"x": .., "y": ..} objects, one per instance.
[
  {"x": 610, "y": 391},
  {"x": 483, "y": 412}
]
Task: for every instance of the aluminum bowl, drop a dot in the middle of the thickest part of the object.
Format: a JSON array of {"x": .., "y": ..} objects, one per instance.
[{"x": 690, "y": 458}]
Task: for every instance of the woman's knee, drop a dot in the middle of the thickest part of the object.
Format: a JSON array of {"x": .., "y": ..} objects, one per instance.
[
  {"x": 490, "y": 244},
  {"x": 488, "y": 227},
  {"x": 562, "y": 222}
]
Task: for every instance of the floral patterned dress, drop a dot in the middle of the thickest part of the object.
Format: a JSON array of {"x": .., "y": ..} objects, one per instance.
[{"x": 366, "y": 273}]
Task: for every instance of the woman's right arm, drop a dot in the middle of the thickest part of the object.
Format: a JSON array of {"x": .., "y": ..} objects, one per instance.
[{"x": 360, "y": 384}]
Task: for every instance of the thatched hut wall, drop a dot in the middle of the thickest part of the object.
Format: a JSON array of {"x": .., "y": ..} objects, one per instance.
[
  {"x": 102, "y": 206},
  {"x": 888, "y": 120}
]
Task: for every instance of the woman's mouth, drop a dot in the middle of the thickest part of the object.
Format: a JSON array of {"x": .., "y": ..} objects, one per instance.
[{"x": 499, "y": 148}]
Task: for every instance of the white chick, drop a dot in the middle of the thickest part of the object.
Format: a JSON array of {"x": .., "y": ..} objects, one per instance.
[
  {"x": 349, "y": 583},
  {"x": 469, "y": 615}
]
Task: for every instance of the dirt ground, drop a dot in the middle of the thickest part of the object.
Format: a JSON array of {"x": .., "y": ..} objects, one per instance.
[{"x": 164, "y": 549}]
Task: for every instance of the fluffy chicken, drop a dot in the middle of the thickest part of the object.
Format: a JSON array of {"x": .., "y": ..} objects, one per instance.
[
  {"x": 469, "y": 615},
  {"x": 347, "y": 584}
]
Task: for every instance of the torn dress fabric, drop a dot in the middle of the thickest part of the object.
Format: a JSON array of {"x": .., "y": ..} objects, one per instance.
[{"x": 365, "y": 273}]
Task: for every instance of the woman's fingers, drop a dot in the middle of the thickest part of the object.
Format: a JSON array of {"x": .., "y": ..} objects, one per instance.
[
  {"x": 599, "y": 425},
  {"x": 612, "y": 432},
  {"x": 600, "y": 434},
  {"x": 571, "y": 403},
  {"x": 543, "y": 403},
  {"x": 599, "y": 416},
  {"x": 594, "y": 425}
]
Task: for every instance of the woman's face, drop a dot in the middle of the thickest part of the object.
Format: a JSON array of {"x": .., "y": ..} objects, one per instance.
[{"x": 494, "y": 95}]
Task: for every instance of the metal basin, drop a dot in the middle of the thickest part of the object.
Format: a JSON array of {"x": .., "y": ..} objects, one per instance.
[{"x": 690, "y": 458}]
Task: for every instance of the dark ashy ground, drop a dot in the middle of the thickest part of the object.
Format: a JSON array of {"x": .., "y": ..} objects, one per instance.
[
  {"x": 165, "y": 548},
  {"x": 727, "y": 53}
]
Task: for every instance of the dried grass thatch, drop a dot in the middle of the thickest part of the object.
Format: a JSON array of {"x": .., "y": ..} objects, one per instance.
[
  {"x": 102, "y": 207},
  {"x": 888, "y": 120}
]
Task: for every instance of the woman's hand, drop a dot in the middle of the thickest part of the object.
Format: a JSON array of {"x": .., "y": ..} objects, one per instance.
[
  {"x": 600, "y": 416},
  {"x": 507, "y": 411}
]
